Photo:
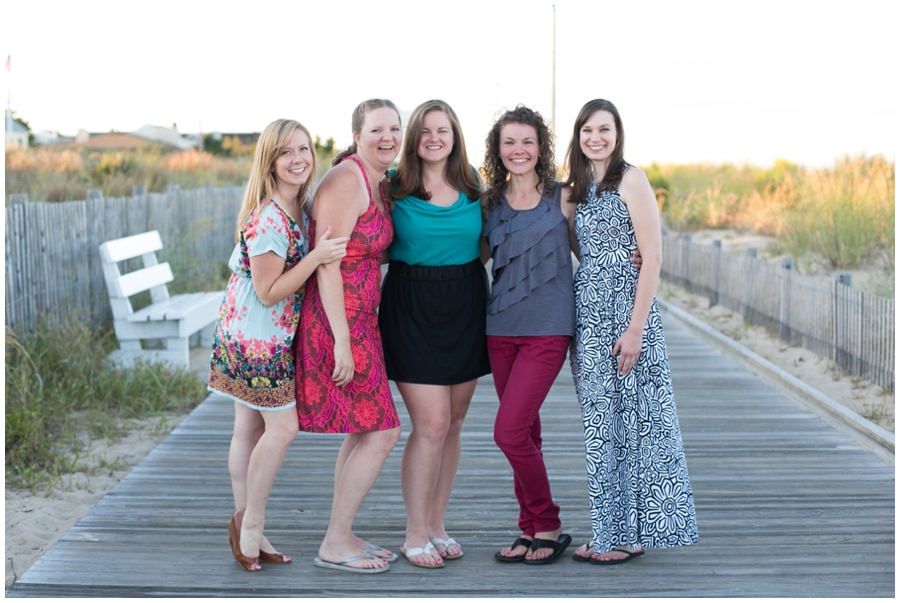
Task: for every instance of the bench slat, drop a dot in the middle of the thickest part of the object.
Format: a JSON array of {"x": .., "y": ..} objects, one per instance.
[
  {"x": 177, "y": 307},
  {"x": 145, "y": 278},
  {"x": 126, "y": 248}
]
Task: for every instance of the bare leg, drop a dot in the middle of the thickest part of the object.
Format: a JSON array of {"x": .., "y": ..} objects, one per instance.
[
  {"x": 248, "y": 428},
  {"x": 359, "y": 466},
  {"x": 281, "y": 427},
  {"x": 460, "y": 398},
  {"x": 347, "y": 446},
  {"x": 429, "y": 413}
]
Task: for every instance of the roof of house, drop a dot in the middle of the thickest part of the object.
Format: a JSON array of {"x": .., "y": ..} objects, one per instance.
[
  {"x": 168, "y": 136},
  {"x": 113, "y": 140}
]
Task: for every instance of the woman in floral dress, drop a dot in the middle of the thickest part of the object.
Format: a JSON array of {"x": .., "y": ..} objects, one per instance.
[
  {"x": 637, "y": 478},
  {"x": 252, "y": 359},
  {"x": 342, "y": 386}
]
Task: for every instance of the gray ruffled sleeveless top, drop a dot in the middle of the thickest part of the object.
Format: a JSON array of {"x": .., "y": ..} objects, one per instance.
[{"x": 531, "y": 293}]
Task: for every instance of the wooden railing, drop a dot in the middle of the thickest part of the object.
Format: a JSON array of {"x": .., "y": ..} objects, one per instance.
[{"x": 853, "y": 328}]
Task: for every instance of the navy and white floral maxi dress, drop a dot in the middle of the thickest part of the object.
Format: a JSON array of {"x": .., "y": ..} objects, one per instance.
[{"x": 637, "y": 478}]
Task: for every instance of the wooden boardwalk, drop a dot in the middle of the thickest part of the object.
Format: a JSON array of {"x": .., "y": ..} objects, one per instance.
[{"x": 786, "y": 506}]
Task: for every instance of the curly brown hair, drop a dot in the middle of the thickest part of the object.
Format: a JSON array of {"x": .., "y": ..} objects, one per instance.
[{"x": 495, "y": 173}]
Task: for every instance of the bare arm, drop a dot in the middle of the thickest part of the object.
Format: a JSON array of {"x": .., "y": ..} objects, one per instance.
[
  {"x": 568, "y": 210},
  {"x": 270, "y": 281},
  {"x": 339, "y": 204},
  {"x": 644, "y": 212}
]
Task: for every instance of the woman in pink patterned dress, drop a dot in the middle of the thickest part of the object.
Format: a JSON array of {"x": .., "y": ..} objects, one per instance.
[
  {"x": 252, "y": 361},
  {"x": 342, "y": 386}
]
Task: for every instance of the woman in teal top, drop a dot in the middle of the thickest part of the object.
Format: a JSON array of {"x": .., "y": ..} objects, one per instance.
[
  {"x": 434, "y": 235},
  {"x": 432, "y": 318}
]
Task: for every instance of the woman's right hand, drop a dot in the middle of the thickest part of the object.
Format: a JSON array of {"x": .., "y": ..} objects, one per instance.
[
  {"x": 328, "y": 250},
  {"x": 343, "y": 364}
]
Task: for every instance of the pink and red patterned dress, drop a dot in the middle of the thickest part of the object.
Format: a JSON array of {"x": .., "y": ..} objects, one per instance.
[
  {"x": 252, "y": 356},
  {"x": 365, "y": 404}
]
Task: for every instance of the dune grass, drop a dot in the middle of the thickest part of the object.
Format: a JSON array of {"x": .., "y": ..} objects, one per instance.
[
  {"x": 841, "y": 217},
  {"x": 48, "y": 174},
  {"x": 57, "y": 387}
]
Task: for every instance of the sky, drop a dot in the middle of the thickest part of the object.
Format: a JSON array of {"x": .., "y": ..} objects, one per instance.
[{"x": 694, "y": 81}]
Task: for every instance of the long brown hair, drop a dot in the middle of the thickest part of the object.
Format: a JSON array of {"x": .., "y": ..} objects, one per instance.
[
  {"x": 356, "y": 122},
  {"x": 261, "y": 185},
  {"x": 493, "y": 170},
  {"x": 458, "y": 173},
  {"x": 578, "y": 166}
]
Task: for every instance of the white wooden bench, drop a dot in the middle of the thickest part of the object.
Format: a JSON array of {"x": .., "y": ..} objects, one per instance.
[{"x": 173, "y": 319}]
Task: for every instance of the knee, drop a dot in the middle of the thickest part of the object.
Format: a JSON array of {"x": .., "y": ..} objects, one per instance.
[
  {"x": 434, "y": 429},
  {"x": 284, "y": 432},
  {"x": 382, "y": 442},
  {"x": 506, "y": 439}
]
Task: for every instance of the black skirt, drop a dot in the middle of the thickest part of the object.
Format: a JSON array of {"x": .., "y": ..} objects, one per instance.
[{"x": 432, "y": 321}]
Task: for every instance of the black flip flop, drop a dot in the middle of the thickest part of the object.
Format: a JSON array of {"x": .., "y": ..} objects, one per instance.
[
  {"x": 629, "y": 555},
  {"x": 589, "y": 547},
  {"x": 515, "y": 558},
  {"x": 559, "y": 547}
]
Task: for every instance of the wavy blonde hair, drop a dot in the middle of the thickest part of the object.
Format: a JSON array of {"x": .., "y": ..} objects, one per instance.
[{"x": 261, "y": 185}]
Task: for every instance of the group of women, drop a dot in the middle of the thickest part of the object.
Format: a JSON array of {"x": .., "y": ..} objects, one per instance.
[{"x": 308, "y": 338}]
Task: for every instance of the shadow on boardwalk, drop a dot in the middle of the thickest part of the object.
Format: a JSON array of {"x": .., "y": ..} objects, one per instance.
[{"x": 786, "y": 506}]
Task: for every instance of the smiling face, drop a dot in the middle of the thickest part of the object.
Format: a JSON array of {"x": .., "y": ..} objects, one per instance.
[
  {"x": 519, "y": 148},
  {"x": 379, "y": 138},
  {"x": 436, "y": 139},
  {"x": 294, "y": 165},
  {"x": 597, "y": 137}
]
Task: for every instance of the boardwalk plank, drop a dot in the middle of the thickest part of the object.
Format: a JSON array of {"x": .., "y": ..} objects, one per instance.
[{"x": 786, "y": 506}]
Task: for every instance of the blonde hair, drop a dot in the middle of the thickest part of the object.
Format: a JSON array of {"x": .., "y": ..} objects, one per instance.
[{"x": 261, "y": 185}]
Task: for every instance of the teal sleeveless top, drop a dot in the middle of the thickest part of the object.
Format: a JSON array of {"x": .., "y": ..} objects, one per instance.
[{"x": 429, "y": 235}]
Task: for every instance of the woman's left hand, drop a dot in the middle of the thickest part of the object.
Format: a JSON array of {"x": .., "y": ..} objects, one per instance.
[{"x": 628, "y": 348}]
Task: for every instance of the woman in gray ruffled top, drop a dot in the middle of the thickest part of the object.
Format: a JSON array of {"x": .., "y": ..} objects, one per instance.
[{"x": 531, "y": 313}]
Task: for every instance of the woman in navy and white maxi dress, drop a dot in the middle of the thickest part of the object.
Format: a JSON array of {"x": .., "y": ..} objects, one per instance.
[{"x": 638, "y": 482}]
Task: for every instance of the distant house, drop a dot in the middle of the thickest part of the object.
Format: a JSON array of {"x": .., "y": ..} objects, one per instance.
[
  {"x": 47, "y": 137},
  {"x": 145, "y": 137},
  {"x": 166, "y": 136},
  {"x": 18, "y": 135},
  {"x": 112, "y": 141}
]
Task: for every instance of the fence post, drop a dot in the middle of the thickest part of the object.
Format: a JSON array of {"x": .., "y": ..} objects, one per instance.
[
  {"x": 717, "y": 262},
  {"x": 784, "y": 319},
  {"x": 138, "y": 189},
  {"x": 94, "y": 193},
  {"x": 17, "y": 198},
  {"x": 841, "y": 322},
  {"x": 747, "y": 289},
  {"x": 686, "y": 261}
]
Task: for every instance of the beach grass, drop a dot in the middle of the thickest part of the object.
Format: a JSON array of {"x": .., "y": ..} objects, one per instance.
[
  {"x": 840, "y": 217},
  {"x": 58, "y": 388}
]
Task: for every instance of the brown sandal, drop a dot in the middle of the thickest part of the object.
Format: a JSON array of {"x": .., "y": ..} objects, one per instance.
[
  {"x": 234, "y": 539},
  {"x": 273, "y": 557}
]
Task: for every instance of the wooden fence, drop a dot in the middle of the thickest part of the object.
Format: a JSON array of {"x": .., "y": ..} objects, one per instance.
[
  {"x": 52, "y": 263},
  {"x": 851, "y": 327}
]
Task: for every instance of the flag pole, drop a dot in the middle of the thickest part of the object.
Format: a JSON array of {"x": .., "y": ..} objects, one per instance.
[
  {"x": 553, "y": 78},
  {"x": 8, "y": 100}
]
